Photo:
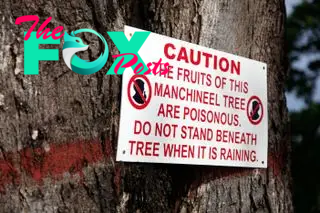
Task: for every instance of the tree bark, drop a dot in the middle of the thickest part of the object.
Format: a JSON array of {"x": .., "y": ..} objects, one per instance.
[{"x": 58, "y": 130}]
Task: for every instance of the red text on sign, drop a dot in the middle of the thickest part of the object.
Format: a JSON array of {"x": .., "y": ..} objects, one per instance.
[
  {"x": 238, "y": 155},
  {"x": 236, "y": 137},
  {"x": 238, "y": 86},
  {"x": 188, "y": 55},
  {"x": 140, "y": 127},
  {"x": 183, "y": 151},
  {"x": 166, "y": 130},
  {"x": 234, "y": 102},
  {"x": 169, "y": 111},
  {"x": 144, "y": 148}
]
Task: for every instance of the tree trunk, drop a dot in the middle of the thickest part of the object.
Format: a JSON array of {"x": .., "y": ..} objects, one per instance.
[{"x": 58, "y": 129}]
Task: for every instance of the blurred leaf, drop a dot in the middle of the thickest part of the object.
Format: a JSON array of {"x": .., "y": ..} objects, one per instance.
[{"x": 314, "y": 65}]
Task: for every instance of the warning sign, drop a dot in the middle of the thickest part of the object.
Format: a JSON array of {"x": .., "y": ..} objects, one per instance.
[
  {"x": 209, "y": 109},
  {"x": 139, "y": 91},
  {"x": 255, "y": 110}
]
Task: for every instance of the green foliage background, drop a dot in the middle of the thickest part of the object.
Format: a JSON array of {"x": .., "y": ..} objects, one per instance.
[{"x": 303, "y": 41}]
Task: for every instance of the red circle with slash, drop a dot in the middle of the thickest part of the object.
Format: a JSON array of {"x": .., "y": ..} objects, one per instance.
[
  {"x": 132, "y": 83},
  {"x": 252, "y": 112}
]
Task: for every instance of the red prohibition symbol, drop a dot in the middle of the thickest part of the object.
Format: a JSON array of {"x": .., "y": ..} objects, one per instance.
[
  {"x": 255, "y": 110},
  {"x": 141, "y": 98}
]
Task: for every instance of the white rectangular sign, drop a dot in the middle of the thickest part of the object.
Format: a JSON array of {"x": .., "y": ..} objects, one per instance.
[{"x": 209, "y": 109}]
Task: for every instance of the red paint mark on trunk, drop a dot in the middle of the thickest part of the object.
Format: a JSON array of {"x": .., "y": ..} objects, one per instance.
[
  {"x": 275, "y": 164},
  {"x": 8, "y": 174},
  {"x": 117, "y": 179},
  {"x": 69, "y": 157},
  {"x": 61, "y": 158},
  {"x": 72, "y": 157}
]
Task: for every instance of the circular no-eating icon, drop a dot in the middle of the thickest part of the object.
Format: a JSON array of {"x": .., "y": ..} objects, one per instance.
[
  {"x": 139, "y": 91},
  {"x": 254, "y": 110}
]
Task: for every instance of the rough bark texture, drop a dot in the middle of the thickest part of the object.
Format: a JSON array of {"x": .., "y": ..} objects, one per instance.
[{"x": 58, "y": 130}]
